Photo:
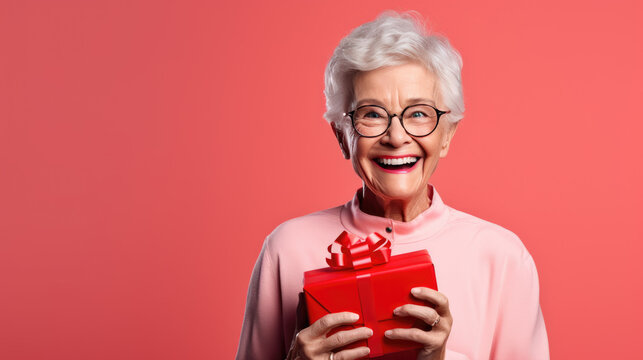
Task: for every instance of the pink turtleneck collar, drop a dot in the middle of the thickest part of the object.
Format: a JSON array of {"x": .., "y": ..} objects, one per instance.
[{"x": 425, "y": 225}]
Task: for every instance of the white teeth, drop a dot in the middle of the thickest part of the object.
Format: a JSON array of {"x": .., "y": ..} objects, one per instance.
[{"x": 398, "y": 161}]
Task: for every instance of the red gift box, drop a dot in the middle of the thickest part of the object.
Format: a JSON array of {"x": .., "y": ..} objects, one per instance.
[{"x": 363, "y": 278}]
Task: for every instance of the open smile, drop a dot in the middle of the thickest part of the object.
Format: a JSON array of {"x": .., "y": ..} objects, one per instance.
[{"x": 397, "y": 164}]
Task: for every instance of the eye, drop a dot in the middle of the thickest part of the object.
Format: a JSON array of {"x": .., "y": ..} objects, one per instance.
[
  {"x": 372, "y": 115},
  {"x": 417, "y": 114}
]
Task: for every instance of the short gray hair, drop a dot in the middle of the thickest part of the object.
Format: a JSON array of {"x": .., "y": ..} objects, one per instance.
[{"x": 392, "y": 39}]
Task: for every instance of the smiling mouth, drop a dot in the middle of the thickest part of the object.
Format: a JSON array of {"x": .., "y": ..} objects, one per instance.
[{"x": 397, "y": 163}]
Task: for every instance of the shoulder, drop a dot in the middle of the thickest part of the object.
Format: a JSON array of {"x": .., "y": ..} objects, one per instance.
[
  {"x": 487, "y": 238},
  {"x": 304, "y": 229},
  {"x": 493, "y": 252}
]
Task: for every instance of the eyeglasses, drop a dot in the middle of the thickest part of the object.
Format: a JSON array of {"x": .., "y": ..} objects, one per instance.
[{"x": 418, "y": 120}]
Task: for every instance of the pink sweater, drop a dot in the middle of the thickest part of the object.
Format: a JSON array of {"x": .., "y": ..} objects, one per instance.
[{"x": 484, "y": 270}]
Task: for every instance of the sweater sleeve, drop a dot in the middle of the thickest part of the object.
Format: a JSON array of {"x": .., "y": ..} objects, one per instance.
[
  {"x": 520, "y": 329},
  {"x": 453, "y": 355},
  {"x": 261, "y": 333}
]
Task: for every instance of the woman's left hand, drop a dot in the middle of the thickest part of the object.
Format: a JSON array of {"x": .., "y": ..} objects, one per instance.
[{"x": 434, "y": 339}]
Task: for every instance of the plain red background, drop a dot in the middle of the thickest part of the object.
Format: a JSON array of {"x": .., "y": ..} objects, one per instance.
[{"x": 147, "y": 149}]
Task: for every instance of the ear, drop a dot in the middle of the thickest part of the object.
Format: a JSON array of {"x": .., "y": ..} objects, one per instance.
[
  {"x": 339, "y": 134},
  {"x": 447, "y": 139}
]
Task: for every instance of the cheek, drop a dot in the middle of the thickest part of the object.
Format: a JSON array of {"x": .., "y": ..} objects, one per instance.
[
  {"x": 360, "y": 154},
  {"x": 359, "y": 147},
  {"x": 431, "y": 151},
  {"x": 434, "y": 141}
]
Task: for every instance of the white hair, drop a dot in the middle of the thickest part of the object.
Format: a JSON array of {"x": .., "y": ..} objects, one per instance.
[{"x": 392, "y": 39}]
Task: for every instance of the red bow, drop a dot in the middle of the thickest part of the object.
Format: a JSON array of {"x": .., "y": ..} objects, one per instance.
[{"x": 356, "y": 253}]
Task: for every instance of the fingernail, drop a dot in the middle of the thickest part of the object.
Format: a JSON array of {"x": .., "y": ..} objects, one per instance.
[
  {"x": 415, "y": 291},
  {"x": 370, "y": 332},
  {"x": 388, "y": 333},
  {"x": 354, "y": 317},
  {"x": 396, "y": 311}
]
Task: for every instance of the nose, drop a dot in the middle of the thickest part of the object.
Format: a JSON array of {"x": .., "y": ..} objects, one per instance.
[{"x": 396, "y": 136}]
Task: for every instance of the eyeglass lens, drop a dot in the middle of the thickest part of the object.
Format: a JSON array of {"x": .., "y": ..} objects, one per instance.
[{"x": 418, "y": 120}]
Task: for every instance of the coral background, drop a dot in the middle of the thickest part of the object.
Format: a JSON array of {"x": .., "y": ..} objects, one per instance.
[{"x": 148, "y": 147}]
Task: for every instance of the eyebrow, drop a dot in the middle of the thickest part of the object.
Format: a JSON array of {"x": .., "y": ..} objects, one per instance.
[{"x": 412, "y": 101}]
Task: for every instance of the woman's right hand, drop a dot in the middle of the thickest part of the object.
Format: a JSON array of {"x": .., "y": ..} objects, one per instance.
[{"x": 311, "y": 343}]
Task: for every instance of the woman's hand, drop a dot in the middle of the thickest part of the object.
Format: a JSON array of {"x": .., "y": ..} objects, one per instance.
[
  {"x": 312, "y": 343},
  {"x": 435, "y": 339}
]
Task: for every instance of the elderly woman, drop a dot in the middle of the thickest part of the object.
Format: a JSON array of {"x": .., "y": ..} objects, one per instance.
[{"x": 394, "y": 100}]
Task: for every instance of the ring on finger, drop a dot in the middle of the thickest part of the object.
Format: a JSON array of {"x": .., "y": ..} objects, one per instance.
[{"x": 432, "y": 325}]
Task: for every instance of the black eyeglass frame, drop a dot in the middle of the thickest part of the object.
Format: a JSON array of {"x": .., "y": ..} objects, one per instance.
[{"x": 400, "y": 116}]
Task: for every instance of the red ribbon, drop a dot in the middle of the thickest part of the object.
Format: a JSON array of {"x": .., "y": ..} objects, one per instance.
[{"x": 356, "y": 253}]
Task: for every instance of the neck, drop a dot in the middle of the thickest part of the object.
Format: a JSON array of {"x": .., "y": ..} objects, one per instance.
[{"x": 395, "y": 209}]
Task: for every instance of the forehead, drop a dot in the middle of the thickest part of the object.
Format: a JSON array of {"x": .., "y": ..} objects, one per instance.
[{"x": 395, "y": 85}]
